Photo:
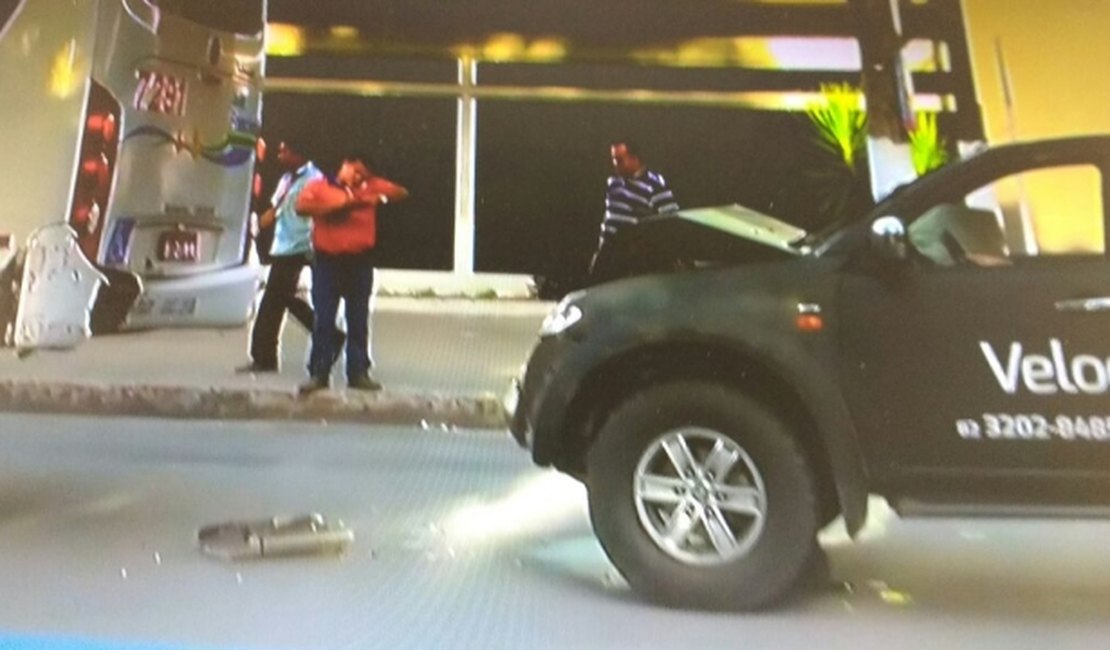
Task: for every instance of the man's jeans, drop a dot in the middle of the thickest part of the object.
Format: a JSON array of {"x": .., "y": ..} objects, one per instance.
[
  {"x": 280, "y": 295},
  {"x": 349, "y": 276}
]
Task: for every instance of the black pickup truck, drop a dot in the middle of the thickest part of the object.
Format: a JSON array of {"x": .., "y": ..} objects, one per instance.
[{"x": 949, "y": 351}]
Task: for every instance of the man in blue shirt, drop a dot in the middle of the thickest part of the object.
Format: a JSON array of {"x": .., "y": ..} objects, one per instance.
[{"x": 290, "y": 253}]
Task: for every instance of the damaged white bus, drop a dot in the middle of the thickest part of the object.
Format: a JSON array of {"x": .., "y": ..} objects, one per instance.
[{"x": 127, "y": 148}]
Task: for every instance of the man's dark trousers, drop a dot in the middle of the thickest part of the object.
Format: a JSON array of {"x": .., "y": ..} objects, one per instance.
[
  {"x": 280, "y": 295},
  {"x": 349, "y": 276},
  {"x": 620, "y": 255}
]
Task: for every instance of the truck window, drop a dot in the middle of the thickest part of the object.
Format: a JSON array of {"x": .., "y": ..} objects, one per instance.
[
  {"x": 235, "y": 16},
  {"x": 1062, "y": 208},
  {"x": 950, "y": 234},
  {"x": 1039, "y": 212}
]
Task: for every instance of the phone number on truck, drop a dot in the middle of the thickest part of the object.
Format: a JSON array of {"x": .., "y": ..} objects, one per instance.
[{"x": 1034, "y": 426}]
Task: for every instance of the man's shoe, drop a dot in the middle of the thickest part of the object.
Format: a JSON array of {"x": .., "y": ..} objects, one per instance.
[
  {"x": 363, "y": 382},
  {"x": 312, "y": 385},
  {"x": 255, "y": 368}
]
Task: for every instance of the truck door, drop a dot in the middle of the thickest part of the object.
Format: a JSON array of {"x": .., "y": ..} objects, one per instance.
[{"x": 985, "y": 364}]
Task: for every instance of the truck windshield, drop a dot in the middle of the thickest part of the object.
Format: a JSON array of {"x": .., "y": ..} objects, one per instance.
[{"x": 235, "y": 16}]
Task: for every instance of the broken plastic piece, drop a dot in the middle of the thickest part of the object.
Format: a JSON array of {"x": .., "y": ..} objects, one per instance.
[
  {"x": 57, "y": 292},
  {"x": 278, "y": 536}
]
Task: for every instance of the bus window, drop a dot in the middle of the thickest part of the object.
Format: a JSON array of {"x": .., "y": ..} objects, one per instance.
[
  {"x": 7, "y": 10},
  {"x": 235, "y": 16}
]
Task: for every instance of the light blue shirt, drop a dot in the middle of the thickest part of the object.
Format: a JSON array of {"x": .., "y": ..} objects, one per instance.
[{"x": 292, "y": 233}]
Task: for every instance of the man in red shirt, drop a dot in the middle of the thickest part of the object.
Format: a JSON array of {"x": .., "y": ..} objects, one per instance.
[{"x": 344, "y": 233}]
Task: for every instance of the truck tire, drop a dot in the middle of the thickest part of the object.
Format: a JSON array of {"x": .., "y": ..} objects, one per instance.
[{"x": 702, "y": 498}]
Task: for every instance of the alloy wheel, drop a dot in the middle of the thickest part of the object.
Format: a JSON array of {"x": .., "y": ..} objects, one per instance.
[{"x": 699, "y": 496}]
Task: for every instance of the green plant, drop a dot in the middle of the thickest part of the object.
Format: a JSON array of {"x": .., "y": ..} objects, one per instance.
[
  {"x": 840, "y": 138},
  {"x": 929, "y": 149},
  {"x": 840, "y": 123}
]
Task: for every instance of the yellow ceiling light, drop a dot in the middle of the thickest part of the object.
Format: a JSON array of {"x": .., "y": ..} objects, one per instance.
[
  {"x": 283, "y": 39},
  {"x": 510, "y": 48},
  {"x": 344, "y": 32},
  {"x": 466, "y": 51},
  {"x": 504, "y": 47},
  {"x": 705, "y": 52},
  {"x": 697, "y": 53},
  {"x": 755, "y": 52},
  {"x": 546, "y": 49}
]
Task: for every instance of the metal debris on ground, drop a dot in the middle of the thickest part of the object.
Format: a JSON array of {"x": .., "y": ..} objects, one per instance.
[{"x": 275, "y": 537}]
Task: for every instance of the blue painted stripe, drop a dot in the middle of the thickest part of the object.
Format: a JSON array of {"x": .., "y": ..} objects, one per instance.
[{"x": 61, "y": 643}]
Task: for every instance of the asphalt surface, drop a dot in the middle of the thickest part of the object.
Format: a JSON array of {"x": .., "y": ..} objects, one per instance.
[
  {"x": 460, "y": 543},
  {"x": 441, "y": 360}
]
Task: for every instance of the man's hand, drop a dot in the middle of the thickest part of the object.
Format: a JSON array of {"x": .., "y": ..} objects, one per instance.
[
  {"x": 267, "y": 218},
  {"x": 362, "y": 197},
  {"x": 383, "y": 192},
  {"x": 321, "y": 200},
  {"x": 362, "y": 200}
]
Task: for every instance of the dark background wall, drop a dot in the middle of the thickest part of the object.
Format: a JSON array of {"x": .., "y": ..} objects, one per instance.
[
  {"x": 411, "y": 140},
  {"x": 541, "y": 166},
  {"x": 542, "y": 171}
]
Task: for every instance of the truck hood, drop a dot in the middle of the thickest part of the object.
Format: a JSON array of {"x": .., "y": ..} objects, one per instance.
[
  {"x": 727, "y": 233},
  {"x": 744, "y": 222}
]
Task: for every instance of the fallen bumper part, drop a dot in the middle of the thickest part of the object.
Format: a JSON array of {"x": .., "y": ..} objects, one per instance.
[
  {"x": 276, "y": 537},
  {"x": 57, "y": 292}
]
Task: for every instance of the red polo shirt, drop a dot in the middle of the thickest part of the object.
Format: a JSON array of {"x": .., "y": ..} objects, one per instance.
[{"x": 354, "y": 230}]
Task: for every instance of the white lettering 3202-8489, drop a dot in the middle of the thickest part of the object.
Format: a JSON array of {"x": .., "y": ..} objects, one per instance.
[{"x": 1048, "y": 374}]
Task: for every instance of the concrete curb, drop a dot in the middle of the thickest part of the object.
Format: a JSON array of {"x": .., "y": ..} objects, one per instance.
[{"x": 481, "y": 412}]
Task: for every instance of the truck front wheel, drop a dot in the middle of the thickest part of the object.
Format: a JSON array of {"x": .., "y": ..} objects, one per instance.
[{"x": 702, "y": 498}]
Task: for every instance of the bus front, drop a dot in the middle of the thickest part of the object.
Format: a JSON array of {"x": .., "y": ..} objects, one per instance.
[
  {"x": 129, "y": 137},
  {"x": 185, "y": 77}
]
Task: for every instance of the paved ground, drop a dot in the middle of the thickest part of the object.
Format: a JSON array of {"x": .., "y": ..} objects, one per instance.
[
  {"x": 439, "y": 359},
  {"x": 460, "y": 544}
]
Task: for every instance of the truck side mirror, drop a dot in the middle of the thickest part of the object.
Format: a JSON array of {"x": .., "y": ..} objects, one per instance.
[{"x": 888, "y": 239}]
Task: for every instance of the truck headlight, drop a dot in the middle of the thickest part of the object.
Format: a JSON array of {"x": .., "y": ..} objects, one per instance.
[{"x": 561, "y": 318}]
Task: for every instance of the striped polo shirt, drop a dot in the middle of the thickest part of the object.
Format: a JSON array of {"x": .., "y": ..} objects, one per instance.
[{"x": 628, "y": 200}]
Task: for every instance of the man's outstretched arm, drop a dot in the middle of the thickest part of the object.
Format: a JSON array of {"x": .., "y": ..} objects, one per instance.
[{"x": 389, "y": 191}]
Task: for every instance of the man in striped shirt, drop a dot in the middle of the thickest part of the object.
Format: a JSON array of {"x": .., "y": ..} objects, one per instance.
[{"x": 634, "y": 192}]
